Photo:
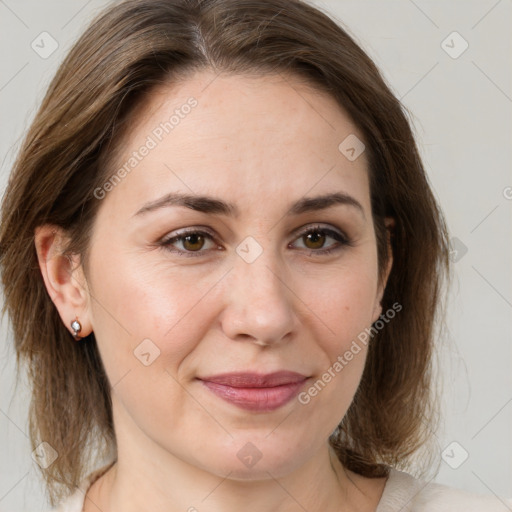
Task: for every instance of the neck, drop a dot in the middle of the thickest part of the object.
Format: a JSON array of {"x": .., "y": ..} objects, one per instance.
[
  {"x": 131, "y": 488},
  {"x": 148, "y": 477}
]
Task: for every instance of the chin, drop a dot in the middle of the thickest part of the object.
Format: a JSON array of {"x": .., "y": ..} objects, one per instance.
[{"x": 253, "y": 458}]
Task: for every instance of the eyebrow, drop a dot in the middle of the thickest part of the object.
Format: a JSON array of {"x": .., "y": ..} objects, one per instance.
[{"x": 211, "y": 205}]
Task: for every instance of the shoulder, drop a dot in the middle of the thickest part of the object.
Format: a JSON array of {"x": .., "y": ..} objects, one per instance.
[{"x": 405, "y": 493}]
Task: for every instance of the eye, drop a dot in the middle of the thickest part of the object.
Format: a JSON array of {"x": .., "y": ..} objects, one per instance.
[
  {"x": 315, "y": 238},
  {"x": 191, "y": 241}
]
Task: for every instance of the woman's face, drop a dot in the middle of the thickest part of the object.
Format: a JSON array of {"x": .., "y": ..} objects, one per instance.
[{"x": 249, "y": 290}]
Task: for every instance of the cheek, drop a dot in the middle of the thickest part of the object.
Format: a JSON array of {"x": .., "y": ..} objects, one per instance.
[
  {"x": 343, "y": 311},
  {"x": 341, "y": 301},
  {"x": 145, "y": 323},
  {"x": 142, "y": 304},
  {"x": 341, "y": 306}
]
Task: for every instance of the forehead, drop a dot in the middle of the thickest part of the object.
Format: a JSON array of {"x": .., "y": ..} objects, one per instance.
[
  {"x": 258, "y": 100},
  {"x": 245, "y": 136}
]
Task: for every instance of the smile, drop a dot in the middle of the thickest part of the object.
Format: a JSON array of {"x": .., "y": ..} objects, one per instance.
[{"x": 263, "y": 393}]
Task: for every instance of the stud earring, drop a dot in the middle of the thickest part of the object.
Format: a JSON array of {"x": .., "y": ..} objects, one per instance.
[{"x": 77, "y": 327}]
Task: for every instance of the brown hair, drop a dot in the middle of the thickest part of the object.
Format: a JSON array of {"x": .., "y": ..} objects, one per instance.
[{"x": 125, "y": 53}]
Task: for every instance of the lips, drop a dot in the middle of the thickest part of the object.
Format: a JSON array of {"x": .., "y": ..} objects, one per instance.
[
  {"x": 255, "y": 380},
  {"x": 256, "y": 392}
]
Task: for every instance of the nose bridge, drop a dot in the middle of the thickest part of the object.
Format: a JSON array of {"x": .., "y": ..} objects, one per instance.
[
  {"x": 261, "y": 278},
  {"x": 260, "y": 303},
  {"x": 259, "y": 265}
]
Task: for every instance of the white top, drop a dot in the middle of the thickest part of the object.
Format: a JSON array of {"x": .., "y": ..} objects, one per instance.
[{"x": 402, "y": 493}]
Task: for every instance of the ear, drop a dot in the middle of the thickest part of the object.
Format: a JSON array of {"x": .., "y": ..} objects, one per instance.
[
  {"x": 390, "y": 225},
  {"x": 63, "y": 277}
]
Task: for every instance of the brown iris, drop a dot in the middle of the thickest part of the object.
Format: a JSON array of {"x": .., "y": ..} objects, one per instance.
[
  {"x": 193, "y": 242},
  {"x": 316, "y": 238}
]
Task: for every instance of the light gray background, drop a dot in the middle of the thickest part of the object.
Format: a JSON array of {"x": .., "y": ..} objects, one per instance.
[{"x": 462, "y": 115}]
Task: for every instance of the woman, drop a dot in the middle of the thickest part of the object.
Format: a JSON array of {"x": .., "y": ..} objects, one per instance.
[{"x": 223, "y": 264}]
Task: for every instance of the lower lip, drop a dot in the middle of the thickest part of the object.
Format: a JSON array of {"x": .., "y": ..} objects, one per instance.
[{"x": 256, "y": 399}]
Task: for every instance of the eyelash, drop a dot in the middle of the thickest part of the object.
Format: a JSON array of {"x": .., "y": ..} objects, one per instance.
[{"x": 342, "y": 240}]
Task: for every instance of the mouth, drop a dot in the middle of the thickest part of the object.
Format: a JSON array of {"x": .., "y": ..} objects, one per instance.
[{"x": 256, "y": 392}]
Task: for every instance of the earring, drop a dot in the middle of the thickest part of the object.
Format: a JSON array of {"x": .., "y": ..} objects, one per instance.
[{"x": 77, "y": 327}]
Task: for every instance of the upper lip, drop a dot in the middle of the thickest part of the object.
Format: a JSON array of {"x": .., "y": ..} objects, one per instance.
[{"x": 256, "y": 380}]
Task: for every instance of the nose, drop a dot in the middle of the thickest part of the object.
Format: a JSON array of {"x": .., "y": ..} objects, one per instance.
[{"x": 259, "y": 304}]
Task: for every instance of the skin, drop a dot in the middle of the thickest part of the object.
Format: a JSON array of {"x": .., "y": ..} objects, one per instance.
[{"x": 260, "y": 143}]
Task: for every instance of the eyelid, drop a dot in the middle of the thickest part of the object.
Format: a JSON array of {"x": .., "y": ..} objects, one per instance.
[
  {"x": 187, "y": 231},
  {"x": 306, "y": 228}
]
